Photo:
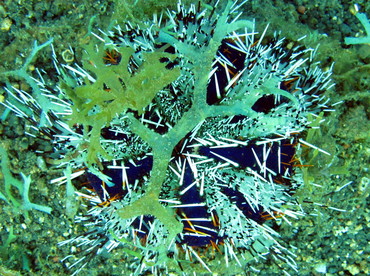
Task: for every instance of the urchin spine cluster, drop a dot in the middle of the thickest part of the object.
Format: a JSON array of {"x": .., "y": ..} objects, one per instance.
[{"x": 213, "y": 153}]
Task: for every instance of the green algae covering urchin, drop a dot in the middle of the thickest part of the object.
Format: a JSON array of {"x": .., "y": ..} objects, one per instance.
[{"x": 188, "y": 130}]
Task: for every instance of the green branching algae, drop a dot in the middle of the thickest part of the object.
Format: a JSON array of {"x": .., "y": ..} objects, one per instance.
[
  {"x": 10, "y": 182},
  {"x": 114, "y": 91}
]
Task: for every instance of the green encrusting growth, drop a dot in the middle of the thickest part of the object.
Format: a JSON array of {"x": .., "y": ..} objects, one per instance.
[{"x": 114, "y": 91}]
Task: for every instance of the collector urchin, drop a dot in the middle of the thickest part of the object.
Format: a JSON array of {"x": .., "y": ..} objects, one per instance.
[{"x": 187, "y": 129}]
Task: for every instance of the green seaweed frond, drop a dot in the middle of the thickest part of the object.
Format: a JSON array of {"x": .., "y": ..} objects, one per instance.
[{"x": 10, "y": 182}]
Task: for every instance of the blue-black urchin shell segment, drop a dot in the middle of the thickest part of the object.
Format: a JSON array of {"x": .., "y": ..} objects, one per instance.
[
  {"x": 134, "y": 172},
  {"x": 209, "y": 231},
  {"x": 281, "y": 161},
  {"x": 237, "y": 58},
  {"x": 258, "y": 214}
]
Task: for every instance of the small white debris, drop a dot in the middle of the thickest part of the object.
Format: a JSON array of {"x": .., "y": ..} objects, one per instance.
[{"x": 320, "y": 268}]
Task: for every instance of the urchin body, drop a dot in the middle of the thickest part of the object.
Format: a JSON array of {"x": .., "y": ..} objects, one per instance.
[{"x": 188, "y": 130}]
